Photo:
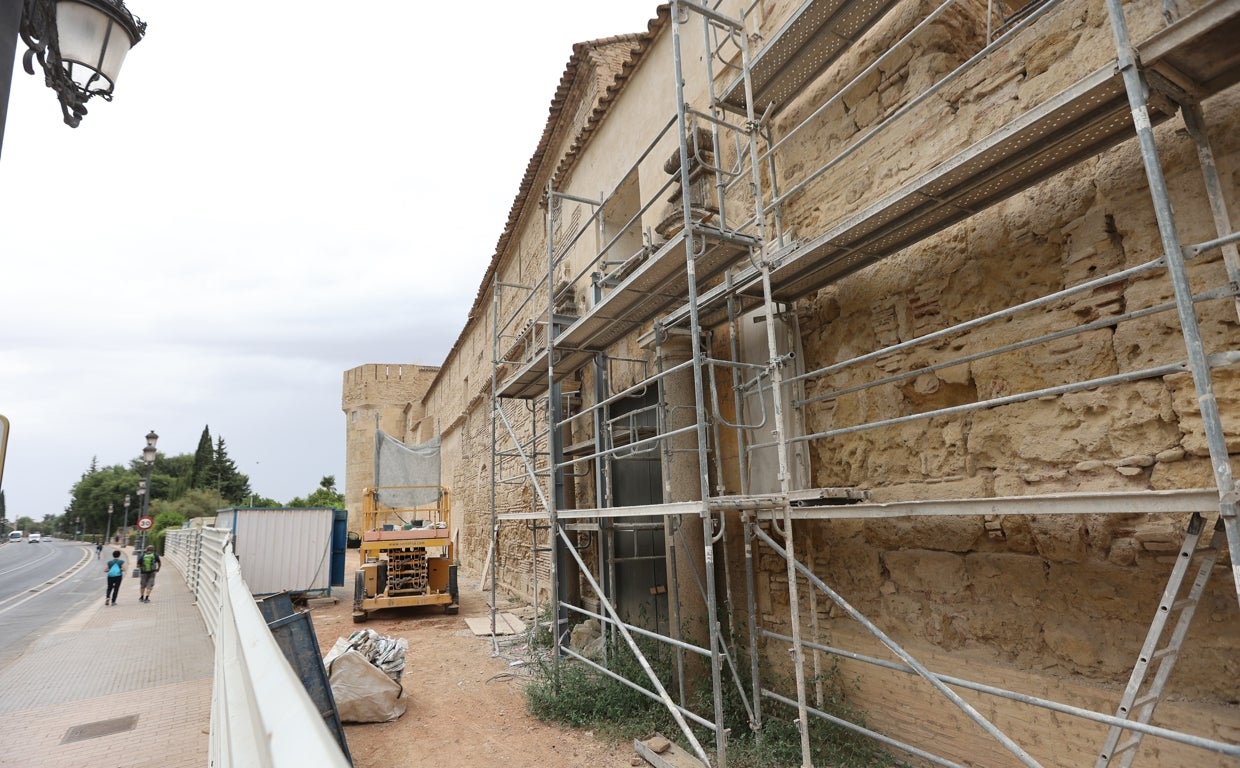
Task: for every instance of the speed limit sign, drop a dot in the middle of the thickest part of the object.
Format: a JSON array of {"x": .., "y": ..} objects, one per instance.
[{"x": 145, "y": 522}]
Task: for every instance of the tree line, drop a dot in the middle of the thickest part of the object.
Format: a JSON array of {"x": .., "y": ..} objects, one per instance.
[{"x": 182, "y": 487}]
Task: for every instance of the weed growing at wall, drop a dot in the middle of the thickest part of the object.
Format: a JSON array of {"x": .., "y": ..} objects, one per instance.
[
  {"x": 573, "y": 693},
  {"x": 576, "y": 694},
  {"x": 779, "y": 741}
]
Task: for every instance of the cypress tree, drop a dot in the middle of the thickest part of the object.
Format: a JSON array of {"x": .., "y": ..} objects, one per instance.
[
  {"x": 204, "y": 458},
  {"x": 231, "y": 484}
]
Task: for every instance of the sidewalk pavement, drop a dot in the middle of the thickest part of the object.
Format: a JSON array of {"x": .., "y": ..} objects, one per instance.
[{"x": 116, "y": 686}]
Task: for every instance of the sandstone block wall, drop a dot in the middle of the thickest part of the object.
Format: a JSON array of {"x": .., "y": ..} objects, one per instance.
[
  {"x": 1054, "y": 606},
  {"x": 387, "y": 396},
  {"x": 1046, "y": 603}
]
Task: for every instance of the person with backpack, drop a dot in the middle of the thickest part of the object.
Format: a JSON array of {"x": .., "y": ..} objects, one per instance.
[
  {"x": 116, "y": 573},
  {"x": 148, "y": 566}
]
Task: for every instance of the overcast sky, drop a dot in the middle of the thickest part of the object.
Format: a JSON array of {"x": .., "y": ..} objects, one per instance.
[{"x": 280, "y": 191}]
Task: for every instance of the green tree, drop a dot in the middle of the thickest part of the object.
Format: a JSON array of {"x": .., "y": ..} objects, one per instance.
[
  {"x": 180, "y": 483},
  {"x": 232, "y": 485},
  {"x": 204, "y": 457},
  {"x": 323, "y": 496},
  {"x": 199, "y": 502},
  {"x": 24, "y": 523},
  {"x": 166, "y": 474},
  {"x": 99, "y": 487}
]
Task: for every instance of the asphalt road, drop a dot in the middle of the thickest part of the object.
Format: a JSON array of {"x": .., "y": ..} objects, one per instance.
[{"x": 40, "y": 585}]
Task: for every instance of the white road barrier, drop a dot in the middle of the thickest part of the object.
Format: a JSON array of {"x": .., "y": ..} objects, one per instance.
[{"x": 261, "y": 714}]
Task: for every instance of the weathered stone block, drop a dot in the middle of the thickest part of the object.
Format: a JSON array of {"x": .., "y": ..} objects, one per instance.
[
  {"x": 996, "y": 573},
  {"x": 1123, "y": 552},
  {"x": 923, "y": 570},
  {"x": 949, "y": 534},
  {"x": 1058, "y": 538},
  {"x": 1226, "y": 394},
  {"x": 1187, "y": 472}
]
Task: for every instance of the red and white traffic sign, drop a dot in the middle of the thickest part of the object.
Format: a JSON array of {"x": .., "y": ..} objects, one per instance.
[{"x": 145, "y": 522}]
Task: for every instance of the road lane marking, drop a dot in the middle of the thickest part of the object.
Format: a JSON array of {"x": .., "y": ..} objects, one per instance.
[{"x": 52, "y": 583}]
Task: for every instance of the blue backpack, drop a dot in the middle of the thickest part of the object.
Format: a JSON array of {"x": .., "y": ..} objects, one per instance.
[{"x": 114, "y": 568}]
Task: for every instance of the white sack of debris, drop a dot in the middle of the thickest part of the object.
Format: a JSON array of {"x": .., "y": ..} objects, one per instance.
[{"x": 364, "y": 671}]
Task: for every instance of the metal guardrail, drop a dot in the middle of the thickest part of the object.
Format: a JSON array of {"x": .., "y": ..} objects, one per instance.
[{"x": 261, "y": 714}]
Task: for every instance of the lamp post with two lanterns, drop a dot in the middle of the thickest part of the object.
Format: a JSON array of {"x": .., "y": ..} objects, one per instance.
[
  {"x": 144, "y": 488},
  {"x": 125, "y": 521}
]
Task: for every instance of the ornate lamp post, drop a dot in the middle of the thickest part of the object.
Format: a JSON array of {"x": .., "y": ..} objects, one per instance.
[
  {"x": 148, "y": 458},
  {"x": 79, "y": 44},
  {"x": 125, "y": 521},
  {"x": 141, "y": 500},
  {"x": 107, "y": 532}
]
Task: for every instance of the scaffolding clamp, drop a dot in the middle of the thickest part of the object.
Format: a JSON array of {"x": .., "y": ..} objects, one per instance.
[
  {"x": 782, "y": 360},
  {"x": 1230, "y": 499}
]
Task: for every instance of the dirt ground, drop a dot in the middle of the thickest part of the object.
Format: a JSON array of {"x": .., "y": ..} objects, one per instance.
[{"x": 465, "y": 705}]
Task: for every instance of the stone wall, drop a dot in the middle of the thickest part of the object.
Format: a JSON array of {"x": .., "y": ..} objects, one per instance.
[
  {"x": 384, "y": 395},
  {"x": 1054, "y": 606}
]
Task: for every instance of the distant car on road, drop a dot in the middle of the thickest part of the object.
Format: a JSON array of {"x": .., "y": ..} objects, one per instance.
[
  {"x": 35, "y": 538},
  {"x": 15, "y": 535}
]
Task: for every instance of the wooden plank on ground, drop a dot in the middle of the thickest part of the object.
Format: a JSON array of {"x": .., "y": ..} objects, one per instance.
[
  {"x": 486, "y": 565},
  {"x": 672, "y": 757},
  {"x": 505, "y": 624}
]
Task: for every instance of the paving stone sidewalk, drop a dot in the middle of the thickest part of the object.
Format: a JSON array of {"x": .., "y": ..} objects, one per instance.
[{"x": 116, "y": 686}]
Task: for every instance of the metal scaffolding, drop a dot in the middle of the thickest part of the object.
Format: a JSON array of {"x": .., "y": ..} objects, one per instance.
[{"x": 640, "y": 357}]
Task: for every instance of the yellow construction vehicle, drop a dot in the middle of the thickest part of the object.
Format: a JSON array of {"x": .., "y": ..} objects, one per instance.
[{"x": 406, "y": 550}]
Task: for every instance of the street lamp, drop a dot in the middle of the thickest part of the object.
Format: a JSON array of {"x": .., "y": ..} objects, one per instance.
[
  {"x": 141, "y": 506},
  {"x": 107, "y": 532},
  {"x": 148, "y": 457},
  {"x": 80, "y": 44},
  {"x": 125, "y": 520}
]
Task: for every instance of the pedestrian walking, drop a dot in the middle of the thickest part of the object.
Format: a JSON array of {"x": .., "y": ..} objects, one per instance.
[
  {"x": 148, "y": 566},
  {"x": 98, "y": 549},
  {"x": 116, "y": 572}
]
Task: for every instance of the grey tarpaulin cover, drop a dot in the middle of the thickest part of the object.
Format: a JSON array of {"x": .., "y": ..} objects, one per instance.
[{"x": 400, "y": 464}]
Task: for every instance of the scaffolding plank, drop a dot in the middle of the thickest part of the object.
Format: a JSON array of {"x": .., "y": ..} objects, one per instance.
[
  {"x": 1197, "y": 53},
  {"x": 661, "y": 753},
  {"x": 643, "y": 510},
  {"x": 1093, "y": 503},
  {"x": 505, "y": 624},
  {"x": 530, "y": 380},
  {"x": 812, "y": 39},
  {"x": 1077, "y": 123},
  {"x": 660, "y": 282}
]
